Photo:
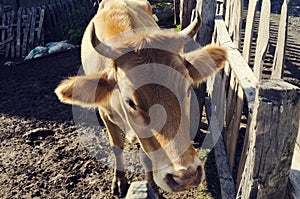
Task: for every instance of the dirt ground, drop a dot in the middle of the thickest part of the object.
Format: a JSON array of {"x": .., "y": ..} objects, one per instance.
[{"x": 44, "y": 153}]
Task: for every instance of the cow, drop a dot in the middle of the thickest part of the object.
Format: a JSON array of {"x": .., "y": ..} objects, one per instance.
[{"x": 140, "y": 78}]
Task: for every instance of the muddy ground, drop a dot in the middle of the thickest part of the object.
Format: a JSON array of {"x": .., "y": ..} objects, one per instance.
[{"x": 64, "y": 159}]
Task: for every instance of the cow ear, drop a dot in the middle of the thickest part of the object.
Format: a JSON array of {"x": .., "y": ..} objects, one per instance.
[
  {"x": 89, "y": 91},
  {"x": 204, "y": 62}
]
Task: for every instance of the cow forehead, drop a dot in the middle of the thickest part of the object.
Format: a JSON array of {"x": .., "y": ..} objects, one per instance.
[{"x": 163, "y": 76}]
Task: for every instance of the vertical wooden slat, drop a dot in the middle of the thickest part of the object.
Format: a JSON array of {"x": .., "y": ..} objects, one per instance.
[
  {"x": 9, "y": 33},
  {"x": 19, "y": 28},
  {"x": 236, "y": 24},
  {"x": 252, "y": 6},
  {"x": 32, "y": 29},
  {"x": 186, "y": 7},
  {"x": 235, "y": 126},
  {"x": 13, "y": 35},
  {"x": 279, "y": 57},
  {"x": 26, "y": 24},
  {"x": 40, "y": 25},
  {"x": 263, "y": 38},
  {"x": 176, "y": 11},
  {"x": 3, "y": 34},
  {"x": 52, "y": 15},
  {"x": 207, "y": 10},
  {"x": 228, "y": 11}
]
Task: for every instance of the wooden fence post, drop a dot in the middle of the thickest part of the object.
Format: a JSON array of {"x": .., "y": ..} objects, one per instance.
[{"x": 272, "y": 137}]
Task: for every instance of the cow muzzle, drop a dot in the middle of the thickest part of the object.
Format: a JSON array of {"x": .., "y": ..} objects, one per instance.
[{"x": 184, "y": 179}]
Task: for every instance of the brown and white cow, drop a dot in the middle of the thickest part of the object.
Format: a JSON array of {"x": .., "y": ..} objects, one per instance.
[{"x": 139, "y": 78}]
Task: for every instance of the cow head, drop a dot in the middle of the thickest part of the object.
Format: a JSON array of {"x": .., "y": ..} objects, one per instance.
[{"x": 148, "y": 88}]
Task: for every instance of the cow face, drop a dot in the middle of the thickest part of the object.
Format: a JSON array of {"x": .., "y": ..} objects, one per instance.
[{"x": 148, "y": 91}]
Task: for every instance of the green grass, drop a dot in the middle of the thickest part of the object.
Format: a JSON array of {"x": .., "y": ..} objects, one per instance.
[{"x": 162, "y": 5}]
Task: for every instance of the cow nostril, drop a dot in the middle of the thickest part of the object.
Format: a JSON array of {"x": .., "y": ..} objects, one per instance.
[
  {"x": 200, "y": 175},
  {"x": 171, "y": 182}
]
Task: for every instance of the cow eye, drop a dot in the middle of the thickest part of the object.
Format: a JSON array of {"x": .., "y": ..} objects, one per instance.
[{"x": 131, "y": 103}]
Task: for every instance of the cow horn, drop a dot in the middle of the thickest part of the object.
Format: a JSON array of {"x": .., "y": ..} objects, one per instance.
[
  {"x": 193, "y": 28},
  {"x": 100, "y": 47}
]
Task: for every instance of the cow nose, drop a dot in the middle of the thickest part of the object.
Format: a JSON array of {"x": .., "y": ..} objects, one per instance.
[{"x": 185, "y": 178}]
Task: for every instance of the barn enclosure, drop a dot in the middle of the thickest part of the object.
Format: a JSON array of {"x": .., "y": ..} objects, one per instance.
[{"x": 252, "y": 105}]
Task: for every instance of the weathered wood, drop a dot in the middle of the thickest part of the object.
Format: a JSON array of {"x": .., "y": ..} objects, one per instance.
[
  {"x": 244, "y": 153},
  {"x": 26, "y": 23},
  {"x": 240, "y": 68},
  {"x": 19, "y": 28},
  {"x": 262, "y": 42},
  {"x": 32, "y": 29},
  {"x": 12, "y": 33},
  {"x": 235, "y": 24},
  {"x": 234, "y": 125},
  {"x": 249, "y": 29},
  {"x": 279, "y": 56},
  {"x": 207, "y": 10},
  {"x": 215, "y": 112},
  {"x": 9, "y": 33},
  {"x": 40, "y": 25},
  {"x": 272, "y": 137},
  {"x": 228, "y": 12},
  {"x": 295, "y": 170},
  {"x": 186, "y": 7},
  {"x": 176, "y": 11}
]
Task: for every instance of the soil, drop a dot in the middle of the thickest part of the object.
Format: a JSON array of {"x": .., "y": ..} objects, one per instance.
[{"x": 45, "y": 153}]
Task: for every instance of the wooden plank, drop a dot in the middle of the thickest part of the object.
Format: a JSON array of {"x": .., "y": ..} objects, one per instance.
[
  {"x": 176, "y": 4},
  {"x": 52, "y": 15},
  {"x": 236, "y": 23},
  {"x": 263, "y": 37},
  {"x": 64, "y": 14},
  {"x": 279, "y": 56},
  {"x": 26, "y": 25},
  {"x": 70, "y": 11},
  {"x": 252, "y": 6},
  {"x": 240, "y": 68},
  {"x": 2, "y": 43},
  {"x": 230, "y": 106},
  {"x": 216, "y": 92},
  {"x": 244, "y": 153},
  {"x": 228, "y": 11},
  {"x": 9, "y": 33},
  {"x": 272, "y": 138},
  {"x": 207, "y": 10},
  {"x": 3, "y": 32},
  {"x": 48, "y": 21},
  {"x": 40, "y": 25},
  {"x": 13, "y": 43},
  {"x": 235, "y": 125},
  {"x": 32, "y": 29},
  {"x": 186, "y": 8},
  {"x": 19, "y": 29}
]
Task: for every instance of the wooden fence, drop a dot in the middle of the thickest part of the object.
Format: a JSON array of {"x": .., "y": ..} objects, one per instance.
[
  {"x": 21, "y": 31},
  {"x": 26, "y": 28},
  {"x": 270, "y": 105}
]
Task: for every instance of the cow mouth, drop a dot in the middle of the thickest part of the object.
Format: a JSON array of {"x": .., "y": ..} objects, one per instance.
[{"x": 182, "y": 183}]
